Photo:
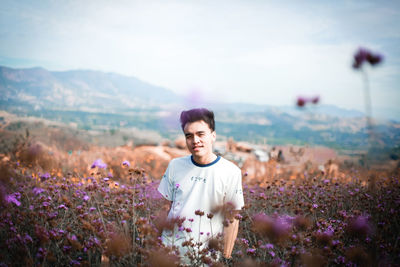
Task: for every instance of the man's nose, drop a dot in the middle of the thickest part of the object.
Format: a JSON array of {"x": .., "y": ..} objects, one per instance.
[{"x": 196, "y": 139}]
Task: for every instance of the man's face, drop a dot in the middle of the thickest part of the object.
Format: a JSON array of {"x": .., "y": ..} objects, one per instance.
[{"x": 199, "y": 138}]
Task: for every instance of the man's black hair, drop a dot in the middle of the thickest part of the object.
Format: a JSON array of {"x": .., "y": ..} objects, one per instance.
[{"x": 198, "y": 114}]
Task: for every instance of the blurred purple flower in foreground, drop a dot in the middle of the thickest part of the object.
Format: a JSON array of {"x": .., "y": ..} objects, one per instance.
[
  {"x": 99, "y": 164},
  {"x": 276, "y": 228},
  {"x": 302, "y": 101},
  {"x": 359, "y": 226},
  {"x": 364, "y": 55},
  {"x": 315, "y": 100}
]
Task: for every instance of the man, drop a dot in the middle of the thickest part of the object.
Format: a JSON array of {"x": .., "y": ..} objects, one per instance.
[{"x": 197, "y": 185}]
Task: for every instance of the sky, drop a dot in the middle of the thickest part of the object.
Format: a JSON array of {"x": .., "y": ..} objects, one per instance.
[{"x": 249, "y": 51}]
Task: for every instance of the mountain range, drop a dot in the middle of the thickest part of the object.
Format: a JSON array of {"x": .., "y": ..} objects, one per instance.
[
  {"x": 79, "y": 89},
  {"x": 97, "y": 100}
]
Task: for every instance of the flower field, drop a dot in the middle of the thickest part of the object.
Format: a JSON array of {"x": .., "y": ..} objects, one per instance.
[{"x": 61, "y": 218}]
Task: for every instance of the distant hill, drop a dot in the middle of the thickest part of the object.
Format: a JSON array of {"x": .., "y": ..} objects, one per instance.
[
  {"x": 98, "y": 101},
  {"x": 80, "y": 89}
]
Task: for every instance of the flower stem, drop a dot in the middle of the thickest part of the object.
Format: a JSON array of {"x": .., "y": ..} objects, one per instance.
[{"x": 368, "y": 105}]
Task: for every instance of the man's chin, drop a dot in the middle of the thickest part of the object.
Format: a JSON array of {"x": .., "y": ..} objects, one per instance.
[{"x": 197, "y": 153}]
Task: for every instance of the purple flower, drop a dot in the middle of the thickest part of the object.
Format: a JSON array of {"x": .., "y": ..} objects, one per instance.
[
  {"x": 275, "y": 228},
  {"x": 360, "y": 57},
  {"x": 96, "y": 241},
  {"x": 364, "y": 55},
  {"x": 37, "y": 190},
  {"x": 99, "y": 164},
  {"x": 301, "y": 102},
  {"x": 86, "y": 198},
  {"x": 251, "y": 251},
  {"x": 44, "y": 177},
  {"x": 126, "y": 163},
  {"x": 267, "y": 246},
  {"x": 52, "y": 215},
  {"x": 359, "y": 226},
  {"x": 74, "y": 262},
  {"x": 13, "y": 198},
  {"x": 340, "y": 260},
  {"x": 62, "y": 207},
  {"x": 28, "y": 238},
  {"x": 238, "y": 217},
  {"x": 41, "y": 253},
  {"x": 283, "y": 224},
  {"x": 374, "y": 59},
  {"x": 328, "y": 233},
  {"x": 177, "y": 186},
  {"x": 315, "y": 100}
]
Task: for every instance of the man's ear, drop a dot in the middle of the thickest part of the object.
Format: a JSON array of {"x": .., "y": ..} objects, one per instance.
[{"x": 214, "y": 136}]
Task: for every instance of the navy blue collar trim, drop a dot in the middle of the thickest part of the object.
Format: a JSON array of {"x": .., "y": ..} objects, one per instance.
[{"x": 205, "y": 165}]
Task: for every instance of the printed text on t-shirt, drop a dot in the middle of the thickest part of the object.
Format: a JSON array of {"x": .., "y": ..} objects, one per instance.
[{"x": 198, "y": 179}]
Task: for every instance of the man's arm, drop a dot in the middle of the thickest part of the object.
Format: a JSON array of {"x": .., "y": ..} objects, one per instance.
[
  {"x": 230, "y": 234},
  {"x": 234, "y": 200}
]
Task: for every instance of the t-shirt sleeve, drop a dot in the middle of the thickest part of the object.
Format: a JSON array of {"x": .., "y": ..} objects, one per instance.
[
  {"x": 234, "y": 193},
  {"x": 166, "y": 184}
]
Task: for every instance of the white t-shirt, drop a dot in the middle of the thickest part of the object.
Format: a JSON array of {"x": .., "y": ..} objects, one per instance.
[{"x": 192, "y": 187}]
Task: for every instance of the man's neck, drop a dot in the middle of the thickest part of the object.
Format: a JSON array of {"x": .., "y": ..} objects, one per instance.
[{"x": 205, "y": 160}]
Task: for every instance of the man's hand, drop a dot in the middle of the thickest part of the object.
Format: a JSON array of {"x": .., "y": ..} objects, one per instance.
[
  {"x": 166, "y": 205},
  {"x": 230, "y": 234}
]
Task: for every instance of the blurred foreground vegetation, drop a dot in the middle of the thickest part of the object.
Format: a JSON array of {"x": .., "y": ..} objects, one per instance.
[{"x": 57, "y": 214}]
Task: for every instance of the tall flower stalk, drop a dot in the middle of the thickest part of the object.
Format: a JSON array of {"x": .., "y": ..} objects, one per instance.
[{"x": 360, "y": 57}]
